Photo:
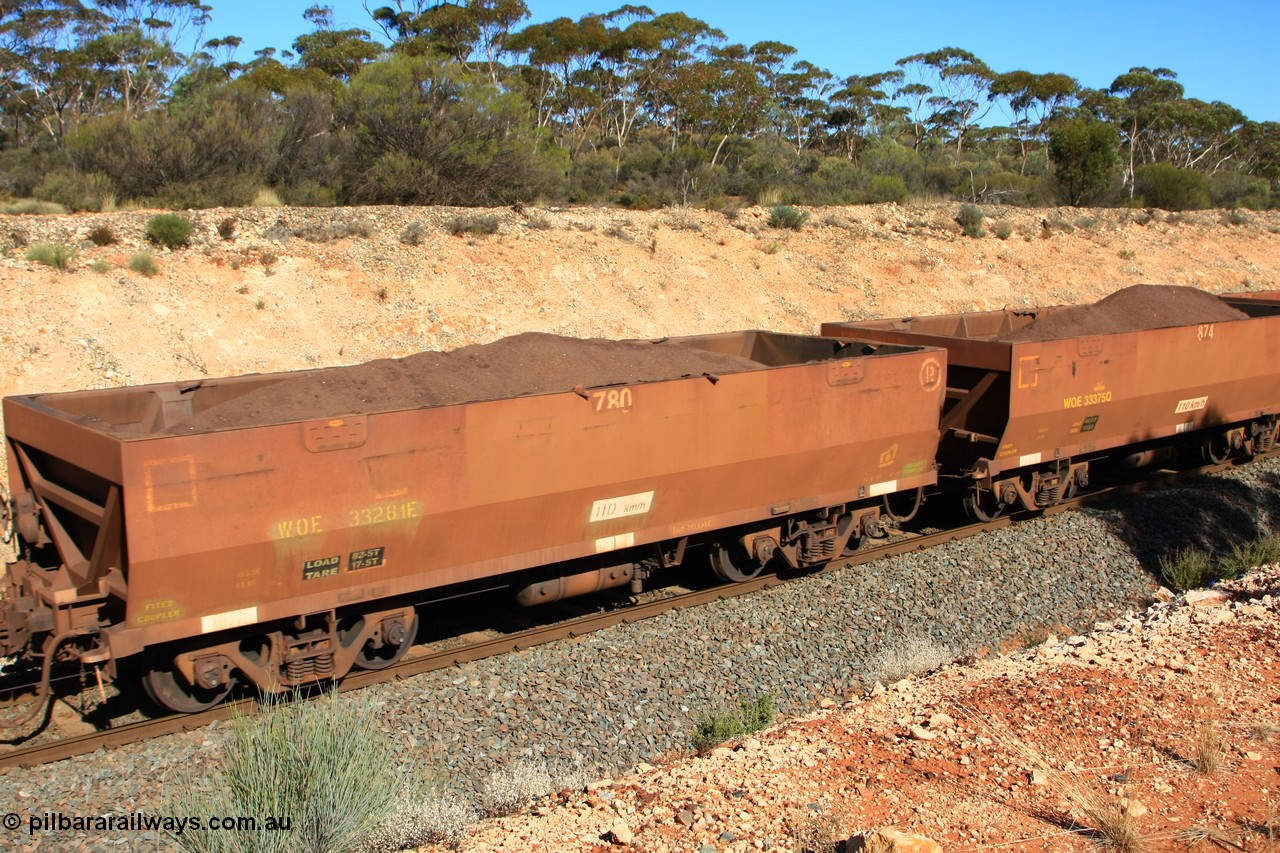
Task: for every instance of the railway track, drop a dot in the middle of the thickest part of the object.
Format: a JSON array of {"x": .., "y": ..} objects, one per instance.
[{"x": 444, "y": 657}]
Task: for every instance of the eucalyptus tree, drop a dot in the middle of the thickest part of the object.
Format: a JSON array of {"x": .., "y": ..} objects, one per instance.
[
  {"x": 802, "y": 96},
  {"x": 1139, "y": 103},
  {"x": 65, "y": 60},
  {"x": 426, "y": 131},
  {"x": 1199, "y": 135},
  {"x": 560, "y": 71},
  {"x": 955, "y": 100},
  {"x": 1032, "y": 101},
  {"x": 1084, "y": 151},
  {"x": 680, "y": 72},
  {"x": 337, "y": 54},
  {"x": 733, "y": 99},
  {"x": 462, "y": 31},
  {"x": 858, "y": 107}
]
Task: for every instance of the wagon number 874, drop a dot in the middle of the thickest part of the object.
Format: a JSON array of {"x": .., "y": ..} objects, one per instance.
[
  {"x": 612, "y": 400},
  {"x": 1204, "y": 332}
]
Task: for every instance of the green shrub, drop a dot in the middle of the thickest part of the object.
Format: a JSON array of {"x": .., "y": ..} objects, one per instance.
[
  {"x": 475, "y": 224},
  {"x": 100, "y": 266},
  {"x": 310, "y": 193},
  {"x": 1233, "y": 189},
  {"x": 1167, "y": 187},
  {"x": 414, "y": 233},
  {"x": 31, "y": 206},
  {"x": 322, "y": 764},
  {"x": 1002, "y": 230},
  {"x": 56, "y": 255},
  {"x": 145, "y": 263},
  {"x": 77, "y": 191},
  {"x": 970, "y": 220},
  {"x": 887, "y": 188},
  {"x": 722, "y": 724},
  {"x": 1246, "y": 556},
  {"x": 786, "y": 216},
  {"x": 1188, "y": 568},
  {"x": 317, "y": 233},
  {"x": 169, "y": 229}
]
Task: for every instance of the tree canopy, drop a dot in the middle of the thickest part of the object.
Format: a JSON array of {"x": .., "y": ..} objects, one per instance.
[{"x": 472, "y": 101}]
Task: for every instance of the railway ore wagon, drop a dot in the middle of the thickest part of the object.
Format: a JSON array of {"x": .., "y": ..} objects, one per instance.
[
  {"x": 269, "y": 529},
  {"x": 1033, "y": 396}
]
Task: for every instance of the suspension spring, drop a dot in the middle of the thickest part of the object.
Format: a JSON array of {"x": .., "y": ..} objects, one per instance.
[{"x": 1049, "y": 492}]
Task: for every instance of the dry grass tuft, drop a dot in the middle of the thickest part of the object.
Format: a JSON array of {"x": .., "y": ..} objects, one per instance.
[
  {"x": 1111, "y": 818},
  {"x": 1262, "y": 730},
  {"x": 1209, "y": 748}
]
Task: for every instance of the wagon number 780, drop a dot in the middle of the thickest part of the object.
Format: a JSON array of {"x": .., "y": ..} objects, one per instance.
[{"x": 612, "y": 400}]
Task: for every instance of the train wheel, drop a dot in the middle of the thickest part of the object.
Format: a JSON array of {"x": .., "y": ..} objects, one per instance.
[
  {"x": 168, "y": 689},
  {"x": 1217, "y": 448},
  {"x": 387, "y": 649},
  {"x": 982, "y": 506},
  {"x": 733, "y": 564}
]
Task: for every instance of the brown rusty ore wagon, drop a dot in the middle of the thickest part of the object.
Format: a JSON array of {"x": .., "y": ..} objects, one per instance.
[
  {"x": 1033, "y": 397},
  {"x": 289, "y": 545}
]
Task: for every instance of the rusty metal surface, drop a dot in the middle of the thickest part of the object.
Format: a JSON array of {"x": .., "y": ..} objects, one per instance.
[
  {"x": 1079, "y": 396},
  {"x": 233, "y": 527},
  {"x": 1260, "y": 303}
]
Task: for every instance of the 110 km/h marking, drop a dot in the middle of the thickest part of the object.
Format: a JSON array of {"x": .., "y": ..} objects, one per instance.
[{"x": 621, "y": 507}]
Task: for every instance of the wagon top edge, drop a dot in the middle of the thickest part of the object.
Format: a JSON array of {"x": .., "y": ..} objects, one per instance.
[
  {"x": 1134, "y": 310},
  {"x": 480, "y": 374}
]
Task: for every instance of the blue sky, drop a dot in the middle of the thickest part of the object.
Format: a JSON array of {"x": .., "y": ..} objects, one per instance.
[{"x": 1223, "y": 51}]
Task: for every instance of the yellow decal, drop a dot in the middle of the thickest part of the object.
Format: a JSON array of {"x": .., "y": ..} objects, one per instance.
[
  {"x": 158, "y": 611},
  {"x": 294, "y": 527},
  {"x": 1094, "y": 399},
  {"x": 930, "y": 374},
  {"x": 1029, "y": 365},
  {"x": 171, "y": 483},
  {"x": 612, "y": 400},
  {"x": 886, "y": 458},
  {"x": 383, "y": 513}
]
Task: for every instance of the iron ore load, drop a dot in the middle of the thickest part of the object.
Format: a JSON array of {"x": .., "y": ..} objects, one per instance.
[
  {"x": 1034, "y": 397},
  {"x": 278, "y": 529}
]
